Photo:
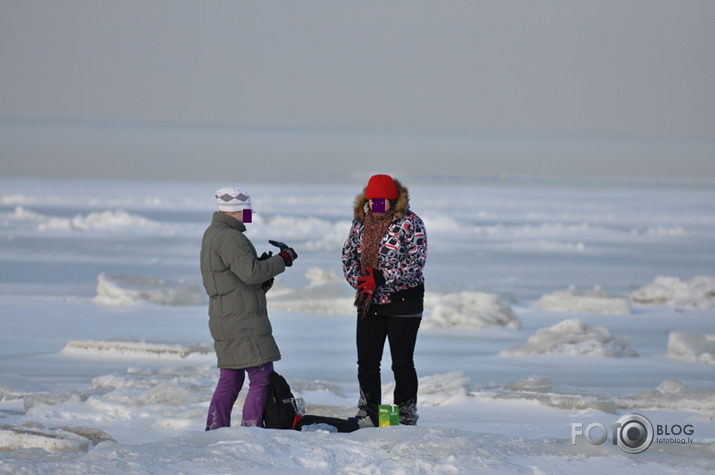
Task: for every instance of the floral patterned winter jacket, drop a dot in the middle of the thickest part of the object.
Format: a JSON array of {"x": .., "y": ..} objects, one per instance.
[{"x": 403, "y": 250}]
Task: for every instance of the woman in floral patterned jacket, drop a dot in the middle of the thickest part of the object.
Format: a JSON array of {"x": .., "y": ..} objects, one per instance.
[{"x": 383, "y": 258}]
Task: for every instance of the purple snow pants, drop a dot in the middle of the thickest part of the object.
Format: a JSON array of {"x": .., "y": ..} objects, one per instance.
[{"x": 230, "y": 382}]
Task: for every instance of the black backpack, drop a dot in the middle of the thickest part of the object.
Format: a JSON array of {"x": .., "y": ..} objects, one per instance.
[{"x": 281, "y": 408}]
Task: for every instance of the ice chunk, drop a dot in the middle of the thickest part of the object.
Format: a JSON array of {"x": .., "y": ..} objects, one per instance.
[
  {"x": 170, "y": 393},
  {"x": 95, "y": 436},
  {"x": 698, "y": 347},
  {"x": 698, "y": 292},
  {"x": 471, "y": 310},
  {"x": 572, "y": 337},
  {"x": 117, "y": 289},
  {"x": 672, "y": 394},
  {"x": 671, "y": 386},
  {"x": 106, "y": 220},
  {"x": 534, "y": 388},
  {"x": 21, "y": 213},
  {"x": 532, "y": 383},
  {"x": 326, "y": 294},
  {"x": 544, "y": 245},
  {"x": 300, "y": 386},
  {"x": 437, "y": 389},
  {"x": 13, "y": 386},
  {"x": 132, "y": 349},
  {"x": 318, "y": 276},
  {"x": 590, "y": 301},
  {"x": 34, "y": 400},
  {"x": 54, "y": 441}
]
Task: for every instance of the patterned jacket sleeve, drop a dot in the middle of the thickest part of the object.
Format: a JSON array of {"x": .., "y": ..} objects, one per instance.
[
  {"x": 351, "y": 255},
  {"x": 407, "y": 271}
]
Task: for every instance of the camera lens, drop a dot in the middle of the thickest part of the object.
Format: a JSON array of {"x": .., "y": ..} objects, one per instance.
[{"x": 635, "y": 433}]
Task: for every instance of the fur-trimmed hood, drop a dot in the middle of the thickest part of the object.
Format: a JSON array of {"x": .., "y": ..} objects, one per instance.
[{"x": 402, "y": 204}]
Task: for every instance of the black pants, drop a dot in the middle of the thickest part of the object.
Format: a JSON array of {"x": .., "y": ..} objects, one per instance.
[{"x": 401, "y": 332}]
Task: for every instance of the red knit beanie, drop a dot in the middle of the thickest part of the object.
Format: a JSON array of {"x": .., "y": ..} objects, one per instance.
[{"x": 381, "y": 186}]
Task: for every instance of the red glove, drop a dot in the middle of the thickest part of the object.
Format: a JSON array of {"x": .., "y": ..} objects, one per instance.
[
  {"x": 288, "y": 255},
  {"x": 370, "y": 282}
]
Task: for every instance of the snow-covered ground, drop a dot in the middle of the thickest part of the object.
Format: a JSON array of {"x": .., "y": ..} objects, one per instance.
[{"x": 551, "y": 307}]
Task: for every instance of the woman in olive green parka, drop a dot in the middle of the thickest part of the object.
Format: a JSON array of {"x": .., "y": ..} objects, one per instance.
[{"x": 237, "y": 280}]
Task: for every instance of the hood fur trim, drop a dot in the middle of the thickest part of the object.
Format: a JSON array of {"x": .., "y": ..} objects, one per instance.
[{"x": 401, "y": 205}]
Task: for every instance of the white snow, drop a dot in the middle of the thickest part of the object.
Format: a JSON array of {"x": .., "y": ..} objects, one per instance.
[
  {"x": 595, "y": 300},
  {"x": 572, "y": 337},
  {"x": 117, "y": 289},
  {"x": 54, "y": 441},
  {"x": 674, "y": 395},
  {"x": 542, "y": 390},
  {"x": 106, "y": 362},
  {"x": 699, "y": 347},
  {"x": 114, "y": 220},
  {"x": 698, "y": 292},
  {"x": 471, "y": 310},
  {"x": 436, "y": 389},
  {"x": 326, "y": 293},
  {"x": 116, "y": 349},
  {"x": 111, "y": 220},
  {"x": 544, "y": 245}
]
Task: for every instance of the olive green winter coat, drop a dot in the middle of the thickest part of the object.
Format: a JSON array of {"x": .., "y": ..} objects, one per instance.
[{"x": 232, "y": 276}]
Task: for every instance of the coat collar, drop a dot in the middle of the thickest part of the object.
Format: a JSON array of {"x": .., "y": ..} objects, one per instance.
[{"x": 228, "y": 221}]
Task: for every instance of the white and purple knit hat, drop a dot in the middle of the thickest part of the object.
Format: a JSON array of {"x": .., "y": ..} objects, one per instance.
[{"x": 232, "y": 199}]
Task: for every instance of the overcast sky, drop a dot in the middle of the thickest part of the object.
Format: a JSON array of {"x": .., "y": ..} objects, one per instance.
[{"x": 603, "y": 87}]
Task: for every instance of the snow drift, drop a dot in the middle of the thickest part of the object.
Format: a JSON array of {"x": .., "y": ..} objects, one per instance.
[
  {"x": 471, "y": 310},
  {"x": 542, "y": 390},
  {"x": 698, "y": 347},
  {"x": 133, "y": 349},
  {"x": 699, "y": 292},
  {"x": 669, "y": 395},
  {"x": 673, "y": 395},
  {"x": 437, "y": 389},
  {"x": 106, "y": 220},
  {"x": 326, "y": 293},
  {"x": 588, "y": 301},
  {"x": 53, "y": 441},
  {"x": 572, "y": 337},
  {"x": 118, "y": 289}
]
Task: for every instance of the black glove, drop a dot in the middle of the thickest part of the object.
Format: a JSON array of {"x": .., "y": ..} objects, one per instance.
[
  {"x": 269, "y": 283},
  {"x": 288, "y": 255}
]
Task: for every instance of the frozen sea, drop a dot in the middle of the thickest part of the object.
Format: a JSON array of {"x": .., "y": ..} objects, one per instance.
[{"x": 552, "y": 306}]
